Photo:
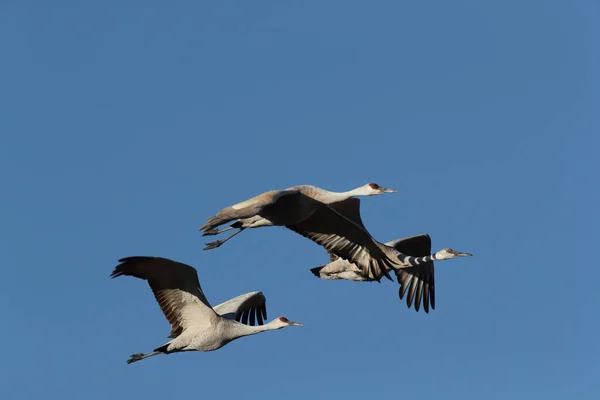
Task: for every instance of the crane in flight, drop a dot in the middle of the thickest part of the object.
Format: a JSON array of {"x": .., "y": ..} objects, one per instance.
[
  {"x": 418, "y": 280},
  {"x": 195, "y": 325},
  {"x": 316, "y": 214}
]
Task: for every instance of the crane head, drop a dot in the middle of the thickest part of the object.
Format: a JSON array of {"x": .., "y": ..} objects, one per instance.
[
  {"x": 447, "y": 253},
  {"x": 283, "y": 322},
  {"x": 373, "y": 188}
]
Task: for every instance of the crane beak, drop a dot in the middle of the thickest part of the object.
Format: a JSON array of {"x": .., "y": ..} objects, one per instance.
[
  {"x": 386, "y": 190},
  {"x": 292, "y": 323},
  {"x": 459, "y": 254}
]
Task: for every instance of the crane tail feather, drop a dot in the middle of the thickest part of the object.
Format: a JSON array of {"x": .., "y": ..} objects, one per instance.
[
  {"x": 317, "y": 271},
  {"x": 217, "y": 220}
]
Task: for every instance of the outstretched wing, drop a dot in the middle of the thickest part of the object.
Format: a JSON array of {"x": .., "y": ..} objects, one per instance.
[
  {"x": 245, "y": 209},
  {"x": 176, "y": 289},
  {"x": 419, "y": 281},
  {"x": 251, "y": 305},
  {"x": 346, "y": 239},
  {"x": 415, "y": 246},
  {"x": 349, "y": 208}
]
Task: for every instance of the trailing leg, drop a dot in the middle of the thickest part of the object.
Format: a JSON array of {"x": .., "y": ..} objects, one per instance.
[
  {"x": 215, "y": 231},
  {"x": 140, "y": 356},
  {"x": 217, "y": 243}
]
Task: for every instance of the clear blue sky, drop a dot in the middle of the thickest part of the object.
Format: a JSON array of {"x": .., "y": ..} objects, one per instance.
[{"x": 126, "y": 124}]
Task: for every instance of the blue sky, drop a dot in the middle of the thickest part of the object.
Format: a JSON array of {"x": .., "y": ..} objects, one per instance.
[{"x": 125, "y": 125}]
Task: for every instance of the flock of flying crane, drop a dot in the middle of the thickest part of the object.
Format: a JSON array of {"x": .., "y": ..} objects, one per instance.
[{"x": 330, "y": 219}]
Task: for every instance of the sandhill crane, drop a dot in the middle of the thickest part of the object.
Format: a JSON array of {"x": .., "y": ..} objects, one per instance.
[
  {"x": 350, "y": 209},
  {"x": 314, "y": 213},
  {"x": 195, "y": 325},
  {"x": 418, "y": 280}
]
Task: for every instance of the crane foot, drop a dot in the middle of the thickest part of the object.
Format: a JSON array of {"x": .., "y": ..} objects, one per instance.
[{"x": 213, "y": 245}]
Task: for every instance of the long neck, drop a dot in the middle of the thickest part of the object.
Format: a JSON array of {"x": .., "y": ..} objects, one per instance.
[
  {"x": 237, "y": 330},
  {"x": 414, "y": 261},
  {"x": 334, "y": 197}
]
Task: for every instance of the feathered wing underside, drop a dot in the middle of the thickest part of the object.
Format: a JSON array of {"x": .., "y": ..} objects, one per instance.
[
  {"x": 176, "y": 289},
  {"x": 247, "y": 308},
  {"x": 417, "y": 283},
  {"x": 344, "y": 238},
  {"x": 183, "y": 310},
  {"x": 350, "y": 209},
  {"x": 245, "y": 209}
]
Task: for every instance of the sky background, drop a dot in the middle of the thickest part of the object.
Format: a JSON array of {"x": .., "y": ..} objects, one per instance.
[{"x": 124, "y": 125}]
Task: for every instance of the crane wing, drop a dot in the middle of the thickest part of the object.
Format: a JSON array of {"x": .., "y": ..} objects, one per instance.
[
  {"x": 251, "y": 305},
  {"x": 419, "y": 281},
  {"x": 349, "y": 208},
  {"x": 176, "y": 289},
  {"x": 415, "y": 246},
  {"x": 344, "y": 238},
  {"x": 245, "y": 209}
]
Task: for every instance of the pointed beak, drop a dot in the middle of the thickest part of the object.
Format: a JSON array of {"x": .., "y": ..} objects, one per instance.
[
  {"x": 292, "y": 323},
  {"x": 459, "y": 254},
  {"x": 386, "y": 190}
]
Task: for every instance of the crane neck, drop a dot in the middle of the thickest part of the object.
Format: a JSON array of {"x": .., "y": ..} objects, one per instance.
[
  {"x": 415, "y": 261},
  {"x": 329, "y": 197},
  {"x": 237, "y": 329},
  {"x": 334, "y": 197}
]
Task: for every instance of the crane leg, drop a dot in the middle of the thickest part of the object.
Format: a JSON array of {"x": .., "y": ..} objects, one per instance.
[
  {"x": 217, "y": 243},
  {"x": 215, "y": 231},
  {"x": 141, "y": 356}
]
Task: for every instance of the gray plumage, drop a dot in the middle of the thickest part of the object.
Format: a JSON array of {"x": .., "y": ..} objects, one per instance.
[
  {"x": 329, "y": 219},
  {"x": 417, "y": 283},
  {"x": 195, "y": 325}
]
